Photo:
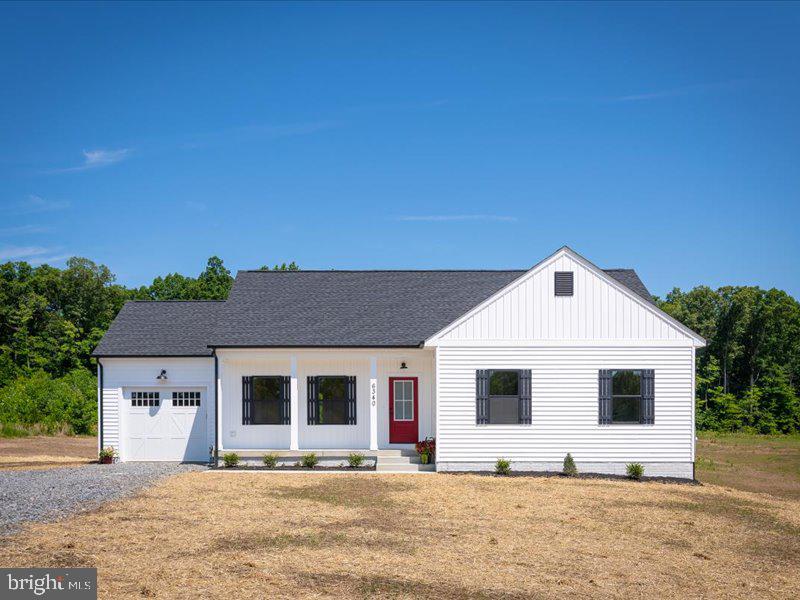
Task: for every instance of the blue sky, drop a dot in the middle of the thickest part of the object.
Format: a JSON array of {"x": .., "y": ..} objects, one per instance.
[{"x": 149, "y": 137}]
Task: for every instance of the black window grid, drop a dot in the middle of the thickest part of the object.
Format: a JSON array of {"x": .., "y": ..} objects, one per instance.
[
  {"x": 186, "y": 399},
  {"x": 145, "y": 399}
]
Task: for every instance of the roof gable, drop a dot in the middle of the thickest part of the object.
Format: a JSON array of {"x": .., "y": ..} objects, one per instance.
[{"x": 606, "y": 305}]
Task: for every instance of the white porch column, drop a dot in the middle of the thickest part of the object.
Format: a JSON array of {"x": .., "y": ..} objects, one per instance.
[
  {"x": 373, "y": 403},
  {"x": 294, "y": 401},
  {"x": 218, "y": 407}
]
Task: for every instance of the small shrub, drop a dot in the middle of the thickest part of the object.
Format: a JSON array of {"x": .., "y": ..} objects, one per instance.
[
  {"x": 355, "y": 459},
  {"x": 106, "y": 455},
  {"x": 502, "y": 466},
  {"x": 309, "y": 461},
  {"x": 570, "y": 470},
  {"x": 270, "y": 461},
  {"x": 635, "y": 471},
  {"x": 230, "y": 459}
]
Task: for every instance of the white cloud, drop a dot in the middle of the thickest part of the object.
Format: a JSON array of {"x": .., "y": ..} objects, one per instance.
[
  {"x": 24, "y": 230},
  {"x": 21, "y": 252},
  {"x": 50, "y": 259},
  {"x": 445, "y": 218},
  {"x": 100, "y": 158},
  {"x": 94, "y": 159},
  {"x": 680, "y": 91}
]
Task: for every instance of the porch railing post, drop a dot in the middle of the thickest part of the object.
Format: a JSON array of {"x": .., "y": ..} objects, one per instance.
[{"x": 373, "y": 403}]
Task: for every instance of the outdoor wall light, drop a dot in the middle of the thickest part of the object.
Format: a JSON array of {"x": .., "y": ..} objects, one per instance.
[
  {"x": 403, "y": 365},
  {"x": 163, "y": 375}
]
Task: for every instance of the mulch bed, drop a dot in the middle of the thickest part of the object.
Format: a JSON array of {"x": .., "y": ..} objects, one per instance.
[{"x": 551, "y": 474}]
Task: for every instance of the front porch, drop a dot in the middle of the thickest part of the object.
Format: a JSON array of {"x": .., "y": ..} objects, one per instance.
[{"x": 389, "y": 404}]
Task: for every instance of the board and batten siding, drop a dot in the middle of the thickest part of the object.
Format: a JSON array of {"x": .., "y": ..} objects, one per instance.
[
  {"x": 597, "y": 310},
  {"x": 121, "y": 375},
  {"x": 564, "y": 385},
  {"x": 235, "y": 364}
]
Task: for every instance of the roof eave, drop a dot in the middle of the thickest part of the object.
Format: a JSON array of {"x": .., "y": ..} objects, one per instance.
[{"x": 329, "y": 346}]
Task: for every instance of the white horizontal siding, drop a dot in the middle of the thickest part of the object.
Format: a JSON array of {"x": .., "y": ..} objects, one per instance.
[
  {"x": 597, "y": 310},
  {"x": 565, "y": 405},
  {"x": 111, "y": 425}
]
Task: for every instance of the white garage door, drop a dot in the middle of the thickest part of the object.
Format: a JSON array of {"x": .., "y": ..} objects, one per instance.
[{"x": 166, "y": 424}]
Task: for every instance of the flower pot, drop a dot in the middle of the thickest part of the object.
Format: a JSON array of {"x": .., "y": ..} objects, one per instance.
[
  {"x": 106, "y": 460},
  {"x": 424, "y": 458}
]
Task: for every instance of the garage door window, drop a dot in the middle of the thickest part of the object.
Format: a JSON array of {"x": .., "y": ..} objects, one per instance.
[
  {"x": 185, "y": 399},
  {"x": 145, "y": 398}
]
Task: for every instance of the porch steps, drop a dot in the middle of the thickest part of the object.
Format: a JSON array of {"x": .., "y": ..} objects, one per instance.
[{"x": 400, "y": 461}]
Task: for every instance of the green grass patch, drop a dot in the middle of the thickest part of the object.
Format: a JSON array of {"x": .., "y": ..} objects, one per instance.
[
  {"x": 9, "y": 430},
  {"x": 751, "y": 462}
]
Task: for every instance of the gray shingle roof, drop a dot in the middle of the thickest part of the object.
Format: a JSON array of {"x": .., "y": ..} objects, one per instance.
[
  {"x": 349, "y": 308},
  {"x": 313, "y": 308},
  {"x": 160, "y": 329},
  {"x": 630, "y": 279}
]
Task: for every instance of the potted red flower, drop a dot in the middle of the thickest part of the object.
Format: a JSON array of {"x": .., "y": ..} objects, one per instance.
[{"x": 426, "y": 449}]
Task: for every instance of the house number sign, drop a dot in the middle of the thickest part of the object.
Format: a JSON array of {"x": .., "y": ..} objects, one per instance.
[{"x": 373, "y": 392}]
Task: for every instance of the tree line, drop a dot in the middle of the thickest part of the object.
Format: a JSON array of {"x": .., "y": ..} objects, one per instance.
[
  {"x": 50, "y": 321},
  {"x": 748, "y": 377}
]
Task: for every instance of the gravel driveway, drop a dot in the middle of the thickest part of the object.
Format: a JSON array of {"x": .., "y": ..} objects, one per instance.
[{"x": 43, "y": 495}]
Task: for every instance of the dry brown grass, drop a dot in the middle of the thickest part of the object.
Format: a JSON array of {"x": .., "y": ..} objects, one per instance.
[
  {"x": 36, "y": 452},
  {"x": 259, "y": 535}
]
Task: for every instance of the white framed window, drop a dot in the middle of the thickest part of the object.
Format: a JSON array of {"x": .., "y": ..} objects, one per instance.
[
  {"x": 145, "y": 398},
  {"x": 185, "y": 399},
  {"x": 403, "y": 397}
]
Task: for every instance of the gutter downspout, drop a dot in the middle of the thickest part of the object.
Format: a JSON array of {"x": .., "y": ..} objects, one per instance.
[
  {"x": 100, "y": 402},
  {"x": 216, "y": 408}
]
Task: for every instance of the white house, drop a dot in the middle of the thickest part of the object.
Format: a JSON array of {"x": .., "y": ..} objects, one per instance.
[{"x": 523, "y": 365}]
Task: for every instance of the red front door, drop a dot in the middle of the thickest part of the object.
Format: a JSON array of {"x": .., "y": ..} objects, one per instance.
[{"x": 403, "y": 410}]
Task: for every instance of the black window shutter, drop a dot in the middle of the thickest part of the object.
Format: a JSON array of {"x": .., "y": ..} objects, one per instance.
[
  {"x": 247, "y": 400},
  {"x": 525, "y": 397},
  {"x": 351, "y": 400},
  {"x": 482, "y": 396},
  {"x": 647, "y": 413},
  {"x": 604, "y": 398},
  {"x": 286, "y": 402},
  {"x": 312, "y": 400}
]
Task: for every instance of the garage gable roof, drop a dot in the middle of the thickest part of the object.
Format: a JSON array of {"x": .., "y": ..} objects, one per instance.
[{"x": 173, "y": 328}]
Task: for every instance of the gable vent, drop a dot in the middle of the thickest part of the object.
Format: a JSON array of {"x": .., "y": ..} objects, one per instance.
[{"x": 564, "y": 283}]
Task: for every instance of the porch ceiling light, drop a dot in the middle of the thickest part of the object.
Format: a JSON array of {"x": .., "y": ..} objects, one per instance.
[{"x": 163, "y": 375}]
